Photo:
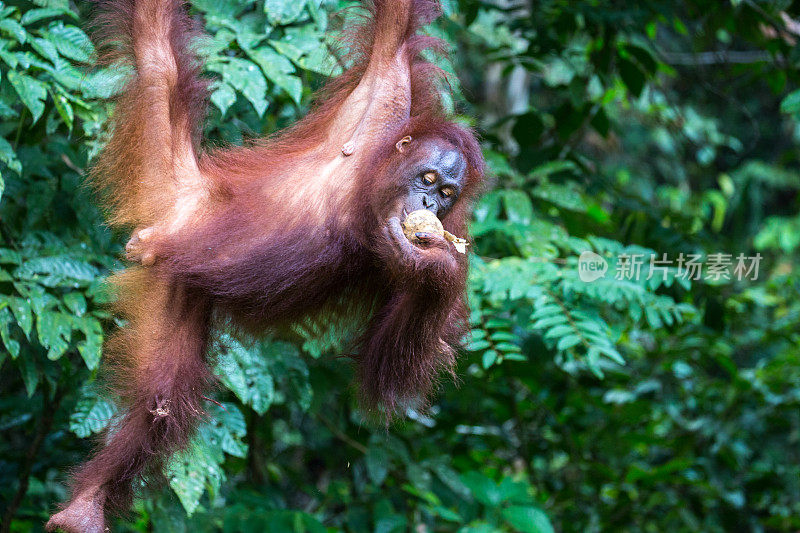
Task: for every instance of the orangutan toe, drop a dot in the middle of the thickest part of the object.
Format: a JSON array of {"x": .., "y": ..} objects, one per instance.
[{"x": 135, "y": 249}]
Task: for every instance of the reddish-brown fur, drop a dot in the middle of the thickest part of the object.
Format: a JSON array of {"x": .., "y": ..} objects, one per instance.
[{"x": 283, "y": 229}]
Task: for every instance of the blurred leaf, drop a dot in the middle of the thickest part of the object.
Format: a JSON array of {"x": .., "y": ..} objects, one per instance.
[
  {"x": 377, "y": 462},
  {"x": 518, "y": 206},
  {"x": 482, "y": 488},
  {"x": 30, "y": 375},
  {"x": 791, "y": 103},
  {"x": 528, "y": 519}
]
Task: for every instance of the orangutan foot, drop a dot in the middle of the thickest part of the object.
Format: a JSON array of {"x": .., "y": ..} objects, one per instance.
[{"x": 84, "y": 514}]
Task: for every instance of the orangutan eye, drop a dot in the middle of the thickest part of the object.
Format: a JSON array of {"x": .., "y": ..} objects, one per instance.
[
  {"x": 447, "y": 192},
  {"x": 429, "y": 178}
]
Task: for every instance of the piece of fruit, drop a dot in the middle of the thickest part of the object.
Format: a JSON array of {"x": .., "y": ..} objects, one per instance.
[
  {"x": 421, "y": 221},
  {"x": 424, "y": 221}
]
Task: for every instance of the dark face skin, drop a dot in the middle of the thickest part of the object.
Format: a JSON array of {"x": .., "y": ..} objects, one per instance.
[
  {"x": 436, "y": 172},
  {"x": 436, "y": 175}
]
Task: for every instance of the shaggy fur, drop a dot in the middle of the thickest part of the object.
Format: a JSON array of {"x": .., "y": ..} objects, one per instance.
[{"x": 267, "y": 234}]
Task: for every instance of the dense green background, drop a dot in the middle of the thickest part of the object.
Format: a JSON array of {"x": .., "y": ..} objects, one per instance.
[{"x": 617, "y": 405}]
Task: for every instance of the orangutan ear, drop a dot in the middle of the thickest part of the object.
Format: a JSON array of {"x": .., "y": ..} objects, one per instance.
[{"x": 402, "y": 143}]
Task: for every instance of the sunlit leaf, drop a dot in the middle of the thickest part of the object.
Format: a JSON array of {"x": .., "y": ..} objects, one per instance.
[
  {"x": 283, "y": 11},
  {"x": 71, "y": 42}
]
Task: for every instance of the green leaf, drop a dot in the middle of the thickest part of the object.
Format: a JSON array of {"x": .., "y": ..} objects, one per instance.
[
  {"x": 39, "y": 299},
  {"x": 482, "y": 488},
  {"x": 54, "y": 331},
  {"x": 12, "y": 345},
  {"x": 71, "y": 42},
  {"x": 489, "y": 358},
  {"x": 285, "y": 361},
  {"x": 446, "y": 514},
  {"x": 7, "y": 56},
  {"x": 223, "y": 96},
  {"x": 558, "y": 72},
  {"x": 507, "y": 347},
  {"x": 478, "y": 345},
  {"x": 9, "y": 157},
  {"x": 278, "y": 69},
  {"x": 567, "y": 196},
  {"x": 504, "y": 336},
  {"x": 450, "y": 478},
  {"x": 64, "y": 108},
  {"x": 229, "y": 425},
  {"x": 224, "y": 9},
  {"x": 92, "y": 413},
  {"x": 567, "y": 342},
  {"x": 245, "y": 77},
  {"x": 550, "y": 168},
  {"x": 104, "y": 83},
  {"x": 29, "y": 372},
  {"x": 632, "y": 76},
  {"x": 558, "y": 332},
  {"x": 92, "y": 347},
  {"x": 63, "y": 5},
  {"x": 192, "y": 470},
  {"x": 76, "y": 302},
  {"x": 35, "y": 15},
  {"x": 611, "y": 353},
  {"x": 15, "y": 29},
  {"x": 791, "y": 104},
  {"x": 643, "y": 56},
  {"x": 245, "y": 372},
  {"x": 199, "y": 467},
  {"x": 22, "y": 313},
  {"x": 59, "y": 269},
  {"x": 281, "y": 12},
  {"x": 518, "y": 206},
  {"x": 31, "y": 91},
  {"x": 528, "y": 519},
  {"x": 45, "y": 48},
  {"x": 304, "y": 46},
  {"x": 70, "y": 78},
  {"x": 377, "y": 463}
]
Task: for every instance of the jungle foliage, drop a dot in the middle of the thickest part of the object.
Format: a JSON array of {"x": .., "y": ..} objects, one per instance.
[{"x": 652, "y": 404}]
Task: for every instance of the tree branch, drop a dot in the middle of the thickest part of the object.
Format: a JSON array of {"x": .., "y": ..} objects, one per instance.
[
  {"x": 721, "y": 57},
  {"x": 340, "y": 435}
]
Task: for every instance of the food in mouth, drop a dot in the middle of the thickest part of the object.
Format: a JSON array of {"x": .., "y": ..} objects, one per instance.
[{"x": 424, "y": 221}]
